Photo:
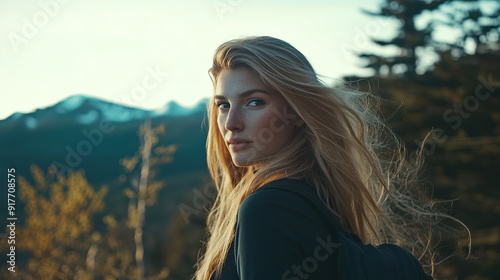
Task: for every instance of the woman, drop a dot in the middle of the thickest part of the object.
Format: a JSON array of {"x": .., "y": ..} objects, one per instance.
[{"x": 292, "y": 160}]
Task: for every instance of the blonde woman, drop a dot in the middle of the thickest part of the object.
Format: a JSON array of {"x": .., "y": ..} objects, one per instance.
[{"x": 304, "y": 176}]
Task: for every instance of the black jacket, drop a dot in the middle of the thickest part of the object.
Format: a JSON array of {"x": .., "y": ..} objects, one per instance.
[
  {"x": 285, "y": 232},
  {"x": 281, "y": 235}
]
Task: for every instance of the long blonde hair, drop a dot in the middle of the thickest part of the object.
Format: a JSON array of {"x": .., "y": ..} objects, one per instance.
[{"x": 354, "y": 160}]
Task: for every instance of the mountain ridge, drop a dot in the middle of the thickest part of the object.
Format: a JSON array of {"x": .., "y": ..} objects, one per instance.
[
  {"x": 86, "y": 110},
  {"x": 78, "y": 134}
]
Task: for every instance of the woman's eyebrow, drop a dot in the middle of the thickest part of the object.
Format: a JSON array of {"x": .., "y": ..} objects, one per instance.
[{"x": 244, "y": 94}]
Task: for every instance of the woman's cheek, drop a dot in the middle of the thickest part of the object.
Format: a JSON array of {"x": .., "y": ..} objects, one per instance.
[{"x": 220, "y": 125}]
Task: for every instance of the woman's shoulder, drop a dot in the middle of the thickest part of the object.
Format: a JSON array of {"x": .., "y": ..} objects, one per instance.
[
  {"x": 296, "y": 185},
  {"x": 291, "y": 202},
  {"x": 280, "y": 215},
  {"x": 285, "y": 200},
  {"x": 292, "y": 190},
  {"x": 277, "y": 229}
]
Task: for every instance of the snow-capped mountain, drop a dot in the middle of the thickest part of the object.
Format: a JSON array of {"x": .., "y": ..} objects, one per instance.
[
  {"x": 86, "y": 110},
  {"x": 93, "y": 134}
]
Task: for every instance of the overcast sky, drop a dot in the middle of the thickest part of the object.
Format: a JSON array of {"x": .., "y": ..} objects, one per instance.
[{"x": 146, "y": 53}]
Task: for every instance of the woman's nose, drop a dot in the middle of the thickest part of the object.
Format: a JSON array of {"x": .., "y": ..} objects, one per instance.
[{"x": 234, "y": 121}]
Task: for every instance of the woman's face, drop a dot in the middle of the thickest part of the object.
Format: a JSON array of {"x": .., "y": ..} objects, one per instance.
[{"x": 254, "y": 120}]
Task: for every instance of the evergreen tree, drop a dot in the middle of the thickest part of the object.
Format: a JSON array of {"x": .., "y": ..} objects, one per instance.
[
  {"x": 457, "y": 99},
  {"x": 479, "y": 25},
  {"x": 408, "y": 40}
]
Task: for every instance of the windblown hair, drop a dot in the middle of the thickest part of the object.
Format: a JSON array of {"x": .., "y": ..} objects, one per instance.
[{"x": 353, "y": 158}]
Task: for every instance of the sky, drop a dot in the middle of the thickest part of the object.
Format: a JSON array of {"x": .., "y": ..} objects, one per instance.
[{"x": 146, "y": 53}]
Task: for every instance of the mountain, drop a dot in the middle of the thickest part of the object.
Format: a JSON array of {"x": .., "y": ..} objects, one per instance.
[
  {"x": 87, "y": 133},
  {"x": 174, "y": 109},
  {"x": 93, "y": 135},
  {"x": 86, "y": 110}
]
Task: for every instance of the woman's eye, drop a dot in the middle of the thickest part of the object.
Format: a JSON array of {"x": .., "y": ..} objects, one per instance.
[
  {"x": 255, "y": 102},
  {"x": 222, "y": 105}
]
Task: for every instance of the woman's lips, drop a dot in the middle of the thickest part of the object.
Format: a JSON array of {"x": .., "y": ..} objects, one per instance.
[{"x": 239, "y": 146}]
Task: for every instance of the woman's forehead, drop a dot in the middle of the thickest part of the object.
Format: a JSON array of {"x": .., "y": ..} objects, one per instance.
[{"x": 235, "y": 81}]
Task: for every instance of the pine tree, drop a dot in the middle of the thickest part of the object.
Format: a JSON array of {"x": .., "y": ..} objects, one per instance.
[
  {"x": 408, "y": 41},
  {"x": 479, "y": 25}
]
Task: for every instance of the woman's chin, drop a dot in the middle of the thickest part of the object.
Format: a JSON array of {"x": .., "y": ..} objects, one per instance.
[
  {"x": 243, "y": 159},
  {"x": 242, "y": 163}
]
